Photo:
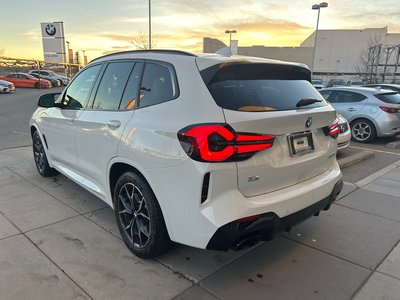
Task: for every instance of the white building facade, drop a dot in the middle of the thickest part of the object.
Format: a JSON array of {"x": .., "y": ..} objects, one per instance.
[{"x": 337, "y": 53}]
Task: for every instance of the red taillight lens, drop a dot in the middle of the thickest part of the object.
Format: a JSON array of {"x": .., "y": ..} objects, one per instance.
[
  {"x": 332, "y": 130},
  {"x": 219, "y": 142},
  {"x": 391, "y": 110}
]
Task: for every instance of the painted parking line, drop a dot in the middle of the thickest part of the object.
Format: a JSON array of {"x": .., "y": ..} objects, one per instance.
[{"x": 374, "y": 150}]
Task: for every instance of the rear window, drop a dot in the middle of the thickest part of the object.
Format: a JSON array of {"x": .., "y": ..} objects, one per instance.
[
  {"x": 260, "y": 87},
  {"x": 389, "y": 97}
]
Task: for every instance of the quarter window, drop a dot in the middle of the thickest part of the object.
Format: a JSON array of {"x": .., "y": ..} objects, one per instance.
[
  {"x": 158, "y": 85},
  {"x": 77, "y": 94},
  {"x": 112, "y": 85}
]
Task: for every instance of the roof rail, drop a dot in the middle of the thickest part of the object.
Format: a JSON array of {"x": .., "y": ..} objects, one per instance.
[{"x": 163, "y": 51}]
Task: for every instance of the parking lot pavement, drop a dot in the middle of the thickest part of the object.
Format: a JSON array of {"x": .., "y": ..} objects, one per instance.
[{"x": 58, "y": 241}]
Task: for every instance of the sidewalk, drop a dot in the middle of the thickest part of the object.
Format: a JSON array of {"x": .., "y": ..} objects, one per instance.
[{"x": 57, "y": 241}]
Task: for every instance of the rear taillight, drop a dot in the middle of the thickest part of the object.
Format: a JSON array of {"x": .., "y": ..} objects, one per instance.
[
  {"x": 391, "y": 110},
  {"x": 219, "y": 143},
  {"x": 332, "y": 130}
]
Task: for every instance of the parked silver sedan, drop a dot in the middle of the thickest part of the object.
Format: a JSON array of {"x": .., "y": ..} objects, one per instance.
[{"x": 371, "y": 112}]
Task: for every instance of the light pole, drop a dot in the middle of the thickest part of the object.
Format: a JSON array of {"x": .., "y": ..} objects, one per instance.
[
  {"x": 317, "y": 7},
  {"x": 68, "y": 51},
  {"x": 68, "y": 61},
  {"x": 230, "y": 36},
  {"x": 149, "y": 24}
]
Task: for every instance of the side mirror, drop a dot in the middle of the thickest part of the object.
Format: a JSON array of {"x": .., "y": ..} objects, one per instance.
[{"x": 47, "y": 100}]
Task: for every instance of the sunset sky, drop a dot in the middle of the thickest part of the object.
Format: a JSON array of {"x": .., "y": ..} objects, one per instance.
[{"x": 102, "y": 26}]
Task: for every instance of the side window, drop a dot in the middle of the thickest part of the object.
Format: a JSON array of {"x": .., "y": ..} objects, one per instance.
[
  {"x": 326, "y": 94},
  {"x": 44, "y": 73},
  {"x": 132, "y": 88},
  {"x": 346, "y": 97},
  {"x": 78, "y": 92},
  {"x": 158, "y": 85},
  {"x": 112, "y": 85}
]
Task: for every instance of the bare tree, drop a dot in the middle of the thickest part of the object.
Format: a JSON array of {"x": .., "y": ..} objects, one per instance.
[
  {"x": 141, "y": 41},
  {"x": 367, "y": 66}
]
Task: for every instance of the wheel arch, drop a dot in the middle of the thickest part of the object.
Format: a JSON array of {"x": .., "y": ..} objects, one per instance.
[
  {"x": 364, "y": 117},
  {"x": 33, "y": 128},
  {"x": 120, "y": 166}
]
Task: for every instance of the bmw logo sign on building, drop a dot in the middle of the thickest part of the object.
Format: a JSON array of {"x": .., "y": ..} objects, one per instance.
[{"x": 50, "y": 29}]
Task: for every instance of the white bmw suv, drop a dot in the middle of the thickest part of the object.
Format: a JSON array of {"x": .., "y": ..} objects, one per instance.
[{"x": 209, "y": 151}]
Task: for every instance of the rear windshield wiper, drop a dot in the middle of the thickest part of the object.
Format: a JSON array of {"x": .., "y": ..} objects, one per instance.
[{"x": 306, "y": 101}]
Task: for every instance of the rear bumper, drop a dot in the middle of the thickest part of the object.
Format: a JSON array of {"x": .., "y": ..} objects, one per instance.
[{"x": 241, "y": 235}]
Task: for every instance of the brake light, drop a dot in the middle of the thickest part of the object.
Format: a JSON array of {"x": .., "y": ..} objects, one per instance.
[
  {"x": 391, "y": 110},
  {"x": 219, "y": 143},
  {"x": 332, "y": 130}
]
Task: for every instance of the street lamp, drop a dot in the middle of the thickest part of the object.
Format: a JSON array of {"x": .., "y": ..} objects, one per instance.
[
  {"x": 317, "y": 7},
  {"x": 230, "y": 36},
  {"x": 68, "y": 60}
]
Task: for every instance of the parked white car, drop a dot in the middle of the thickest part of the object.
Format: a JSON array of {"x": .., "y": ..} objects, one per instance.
[
  {"x": 6, "y": 87},
  {"x": 209, "y": 151},
  {"x": 344, "y": 137}
]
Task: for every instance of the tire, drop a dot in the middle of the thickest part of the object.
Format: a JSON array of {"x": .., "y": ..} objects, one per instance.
[
  {"x": 37, "y": 85},
  {"x": 139, "y": 217},
  {"x": 39, "y": 155},
  {"x": 363, "y": 131}
]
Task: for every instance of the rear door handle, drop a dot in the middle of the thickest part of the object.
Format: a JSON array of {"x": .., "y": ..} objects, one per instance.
[
  {"x": 351, "y": 109},
  {"x": 113, "y": 124}
]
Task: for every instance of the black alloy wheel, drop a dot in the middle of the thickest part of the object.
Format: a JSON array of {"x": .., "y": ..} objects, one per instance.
[
  {"x": 39, "y": 155},
  {"x": 139, "y": 217},
  {"x": 134, "y": 215}
]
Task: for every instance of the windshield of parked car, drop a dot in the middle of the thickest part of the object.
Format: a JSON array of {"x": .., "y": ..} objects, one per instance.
[
  {"x": 260, "y": 87},
  {"x": 316, "y": 81},
  {"x": 338, "y": 82},
  {"x": 389, "y": 97}
]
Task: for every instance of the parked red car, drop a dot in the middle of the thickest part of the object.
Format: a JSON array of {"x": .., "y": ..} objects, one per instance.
[{"x": 26, "y": 80}]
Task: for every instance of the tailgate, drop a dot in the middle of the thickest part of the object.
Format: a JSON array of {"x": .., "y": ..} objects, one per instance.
[{"x": 278, "y": 167}]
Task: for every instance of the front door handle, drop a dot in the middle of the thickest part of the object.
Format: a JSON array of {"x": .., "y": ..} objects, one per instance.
[
  {"x": 113, "y": 124},
  {"x": 351, "y": 109}
]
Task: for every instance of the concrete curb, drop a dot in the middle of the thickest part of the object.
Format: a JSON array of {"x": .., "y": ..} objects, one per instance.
[
  {"x": 393, "y": 145},
  {"x": 356, "y": 158},
  {"x": 376, "y": 175}
]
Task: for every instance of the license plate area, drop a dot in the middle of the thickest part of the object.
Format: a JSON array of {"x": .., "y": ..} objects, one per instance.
[{"x": 300, "y": 143}]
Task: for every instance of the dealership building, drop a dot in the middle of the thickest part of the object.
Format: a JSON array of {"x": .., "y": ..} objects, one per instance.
[{"x": 337, "y": 53}]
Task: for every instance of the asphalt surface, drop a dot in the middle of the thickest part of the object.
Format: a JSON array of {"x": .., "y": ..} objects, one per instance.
[{"x": 15, "y": 112}]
